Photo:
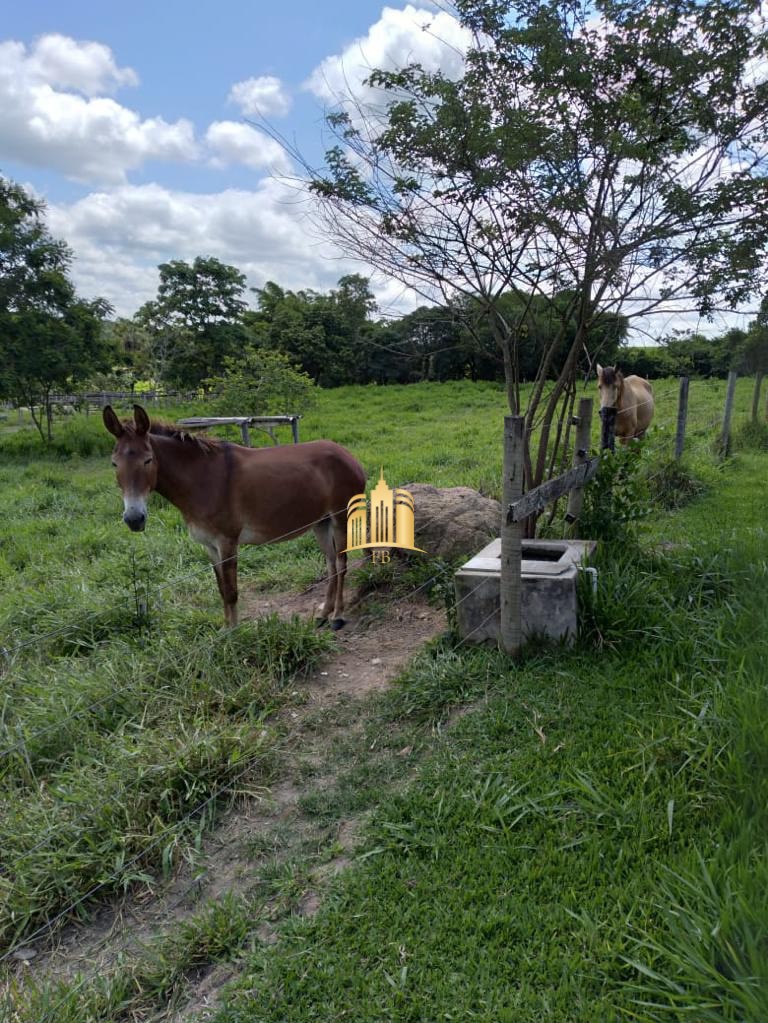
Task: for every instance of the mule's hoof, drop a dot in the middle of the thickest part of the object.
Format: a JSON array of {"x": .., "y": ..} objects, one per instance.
[{"x": 337, "y": 623}]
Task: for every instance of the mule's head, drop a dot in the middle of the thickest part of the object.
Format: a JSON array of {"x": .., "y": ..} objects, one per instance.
[
  {"x": 610, "y": 383},
  {"x": 135, "y": 462}
]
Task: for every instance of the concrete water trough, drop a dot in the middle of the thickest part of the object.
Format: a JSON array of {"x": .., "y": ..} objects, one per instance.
[{"x": 548, "y": 605}]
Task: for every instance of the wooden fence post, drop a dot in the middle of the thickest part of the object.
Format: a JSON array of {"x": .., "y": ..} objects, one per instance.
[
  {"x": 607, "y": 428},
  {"x": 682, "y": 418},
  {"x": 246, "y": 434},
  {"x": 510, "y": 583},
  {"x": 725, "y": 435},
  {"x": 756, "y": 396},
  {"x": 580, "y": 455}
]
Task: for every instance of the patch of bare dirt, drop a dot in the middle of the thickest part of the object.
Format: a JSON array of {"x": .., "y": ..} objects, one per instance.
[{"x": 370, "y": 651}]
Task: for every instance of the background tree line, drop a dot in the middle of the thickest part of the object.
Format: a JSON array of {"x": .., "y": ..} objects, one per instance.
[
  {"x": 200, "y": 332},
  {"x": 200, "y": 319},
  {"x": 200, "y": 324}
]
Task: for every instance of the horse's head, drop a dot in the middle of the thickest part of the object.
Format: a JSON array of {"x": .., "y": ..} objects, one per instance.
[
  {"x": 135, "y": 462},
  {"x": 610, "y": 384}
]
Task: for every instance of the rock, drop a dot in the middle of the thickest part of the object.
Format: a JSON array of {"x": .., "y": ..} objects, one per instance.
[
  {"x": 453, "y": 521},
  {"x": 24, "y": 955}
]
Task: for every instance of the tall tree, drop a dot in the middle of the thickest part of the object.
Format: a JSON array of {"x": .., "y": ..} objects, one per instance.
[
  {"x": 326, "y": 334},
  {"x": 49, "y": 339},
  {"x": 614, "y": 151},
  {"x": 196, "y": 321}
]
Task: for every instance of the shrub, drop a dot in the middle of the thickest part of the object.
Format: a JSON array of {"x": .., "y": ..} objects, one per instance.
[
  {"x": 81, "y": 435},
  {"x": 261, "y": 383},
  {"x": 617, "y": 497}
]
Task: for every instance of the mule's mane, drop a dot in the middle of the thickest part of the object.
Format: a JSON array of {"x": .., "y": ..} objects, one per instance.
[{"x": 160, "y": 428}]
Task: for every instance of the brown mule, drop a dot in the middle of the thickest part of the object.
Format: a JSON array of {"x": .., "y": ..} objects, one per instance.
[{"x": 231, "y": 495}]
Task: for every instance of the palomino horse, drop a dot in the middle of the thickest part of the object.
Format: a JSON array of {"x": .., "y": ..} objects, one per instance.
[
  {"x": 628, "y": 401},
  {"x": 231, "y": 495}
]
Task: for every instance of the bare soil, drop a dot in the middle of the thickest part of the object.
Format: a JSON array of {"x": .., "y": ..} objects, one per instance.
[{"x": 372, "y": 647}]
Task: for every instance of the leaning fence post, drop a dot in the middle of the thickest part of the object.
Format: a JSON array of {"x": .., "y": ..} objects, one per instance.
[
  {"x": 580, "y": 455},
  {"x": 246, "y": 434},
  {"x": 725, "y": 435},
  {"x": 510, "y": 583},
  {"x": 682, "y": 418}
]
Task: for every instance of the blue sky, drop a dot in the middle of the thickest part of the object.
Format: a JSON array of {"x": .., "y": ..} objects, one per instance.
[
  {"x": 135, "y": 123},
  {"x": 188, "y": 56},
  {"x": 138, "y": 123}
]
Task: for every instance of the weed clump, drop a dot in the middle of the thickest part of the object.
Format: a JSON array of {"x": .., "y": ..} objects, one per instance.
[
  {"x": 751, "y": 436},
  {"x": 675, "y": 485}
]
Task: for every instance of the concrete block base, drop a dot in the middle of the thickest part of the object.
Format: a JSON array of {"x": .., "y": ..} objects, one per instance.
[{"x": 550, "y": 570}]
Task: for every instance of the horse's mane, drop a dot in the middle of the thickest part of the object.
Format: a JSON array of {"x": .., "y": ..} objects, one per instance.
[{"x": 161, "y": 428}]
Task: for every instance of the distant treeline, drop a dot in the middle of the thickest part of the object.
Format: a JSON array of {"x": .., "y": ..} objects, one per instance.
[
  {"x": 696, "y": 355},
  {"x": 200, "y": 322}
]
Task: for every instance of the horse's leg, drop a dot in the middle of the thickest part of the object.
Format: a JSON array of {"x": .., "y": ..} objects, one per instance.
[
  {"x": 339, "y": 532},
  {"x": 323, "y": 532},
  {"x": 224, "y": 558}
]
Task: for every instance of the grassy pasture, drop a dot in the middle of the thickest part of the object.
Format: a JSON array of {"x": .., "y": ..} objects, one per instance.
[{"x": 608, "y": 871}]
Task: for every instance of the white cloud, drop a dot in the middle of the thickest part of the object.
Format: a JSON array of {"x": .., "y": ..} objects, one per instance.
[
  {"x": 119, "y": 236},
  {"x": 400, "y": 37},
  {"x": 232, "y": 142},
  {"x": 46, "y": 122},
  {"x": 66, "y": 63},
  {"x": 265, "y": 96}
]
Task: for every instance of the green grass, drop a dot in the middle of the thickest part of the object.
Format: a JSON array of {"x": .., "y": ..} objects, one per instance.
[
  {"x": 110, "y": 769},
  {"x": 587, "y": 842}
]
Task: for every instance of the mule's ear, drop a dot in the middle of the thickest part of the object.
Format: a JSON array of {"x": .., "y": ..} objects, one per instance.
[
  {"x": 619, "y": 374},
  {"x": 599, "y": 371},
  {"x": 141, "y": 419},
  {"x": 111, "y": 421}
]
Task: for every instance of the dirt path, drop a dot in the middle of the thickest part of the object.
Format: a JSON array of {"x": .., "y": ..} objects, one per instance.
[
  {"x": 372, "y": 647},
  {"x": 371, "y": 650}
]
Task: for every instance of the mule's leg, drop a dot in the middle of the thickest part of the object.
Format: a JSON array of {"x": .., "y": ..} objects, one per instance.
[
  {"x": 339, "y": 529},
  {"x": 324, "y": 534},
  {"x": 224, "y": 558}
]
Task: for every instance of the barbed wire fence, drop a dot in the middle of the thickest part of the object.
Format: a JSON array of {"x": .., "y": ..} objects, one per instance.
[
  {"x": 703, "y": 432},
  {"x": 112, "y": 881},
  {"x": 9, "y": 653},
  {"x": 21, "y": 745}
]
